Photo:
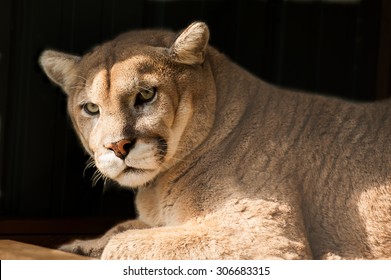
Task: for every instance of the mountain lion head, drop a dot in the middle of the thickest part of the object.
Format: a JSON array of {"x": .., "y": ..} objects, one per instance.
[{"x": 132, "y": 100}]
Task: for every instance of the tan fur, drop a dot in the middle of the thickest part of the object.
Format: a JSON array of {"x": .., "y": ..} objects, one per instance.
[{"x": 229, "y": 167}]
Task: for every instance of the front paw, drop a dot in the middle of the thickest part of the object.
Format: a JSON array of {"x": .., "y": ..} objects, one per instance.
[{"x": 92, "y": 248}]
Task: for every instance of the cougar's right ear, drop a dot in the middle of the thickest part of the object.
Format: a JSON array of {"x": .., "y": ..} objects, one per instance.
[{"x": 60, "y": 68}]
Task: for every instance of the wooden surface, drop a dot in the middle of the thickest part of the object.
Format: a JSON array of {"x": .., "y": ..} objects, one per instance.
[{"x": 14, "y": 250}]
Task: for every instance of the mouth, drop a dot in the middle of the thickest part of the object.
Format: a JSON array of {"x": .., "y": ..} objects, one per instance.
[
  {"x": 135, "y": 177},
  {"x": 140, "y": 166}
]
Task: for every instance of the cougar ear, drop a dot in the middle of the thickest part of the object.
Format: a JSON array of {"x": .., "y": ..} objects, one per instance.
[
  {"x": 60, "y": 68},
  {"x": 190, "y": 46}
]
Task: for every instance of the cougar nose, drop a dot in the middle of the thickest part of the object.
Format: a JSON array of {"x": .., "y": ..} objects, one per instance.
[{"x": 121, "y": 148}]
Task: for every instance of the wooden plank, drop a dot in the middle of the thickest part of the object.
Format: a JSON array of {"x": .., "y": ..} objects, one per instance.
[{"x": 13, "y": 250}]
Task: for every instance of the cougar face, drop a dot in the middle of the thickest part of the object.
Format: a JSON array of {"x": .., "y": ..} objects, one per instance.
[{"x": 128, "y": 118}]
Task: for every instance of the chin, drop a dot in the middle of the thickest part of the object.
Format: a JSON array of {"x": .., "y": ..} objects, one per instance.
[{"x": 136, "y": 178}]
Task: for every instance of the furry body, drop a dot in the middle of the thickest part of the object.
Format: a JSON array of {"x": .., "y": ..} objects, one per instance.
[{"x": 246, "y": 170}]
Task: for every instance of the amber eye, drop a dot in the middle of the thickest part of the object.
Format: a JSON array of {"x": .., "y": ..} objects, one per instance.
[
  {"x": 91, "y": 109},
  {"x": 145, "y": 95}
]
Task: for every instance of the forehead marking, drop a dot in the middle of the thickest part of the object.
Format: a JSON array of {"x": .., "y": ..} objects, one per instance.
[
  {"x": 121, "y": 76},
  {"x": 126, "y": 74},
  {"x": 99, "y": 83}
]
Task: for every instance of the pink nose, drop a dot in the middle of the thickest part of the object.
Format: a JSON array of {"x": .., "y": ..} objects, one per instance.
[{"x": 121, "y": 148}]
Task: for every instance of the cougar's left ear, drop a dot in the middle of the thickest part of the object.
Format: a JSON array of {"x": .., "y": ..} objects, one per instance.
[{"x": 190, "y": 46}]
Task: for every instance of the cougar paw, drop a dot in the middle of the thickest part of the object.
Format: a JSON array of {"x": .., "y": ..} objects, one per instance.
[{"x": 91, "y": 248}]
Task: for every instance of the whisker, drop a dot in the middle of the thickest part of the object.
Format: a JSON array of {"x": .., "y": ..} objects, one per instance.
[
  {"x": 144, "y": 88},
  {"x": 96, "y": 177},
  {"x": 97, "y": 174},
  {"x": 78, "y": 87},
  {"x": 89, "y": 164},
  {"x": 78, "y": 76}
]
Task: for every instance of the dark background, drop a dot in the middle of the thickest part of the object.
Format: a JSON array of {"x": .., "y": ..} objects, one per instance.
[{"x": 329, "y": 47}]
